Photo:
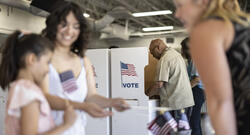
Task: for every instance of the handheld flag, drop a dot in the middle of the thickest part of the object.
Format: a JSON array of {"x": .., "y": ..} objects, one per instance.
[
  {"x": 183, "y": 121},
  {"x": 163, "y": 124}
]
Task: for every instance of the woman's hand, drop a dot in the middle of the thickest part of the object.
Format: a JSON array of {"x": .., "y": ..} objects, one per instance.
[
  {"x": 95, "y": 111},
  {"x": 119, "y": 104}
]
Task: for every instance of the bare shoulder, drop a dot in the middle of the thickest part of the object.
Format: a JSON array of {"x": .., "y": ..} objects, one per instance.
[
  {"x": 211, "y": 27},
  {"x": 87, "y": 62},
  {"x": 215, "y": 23},
  {"x": 211, "y": 31}
]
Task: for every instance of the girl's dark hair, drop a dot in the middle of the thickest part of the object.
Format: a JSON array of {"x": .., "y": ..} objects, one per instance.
[
  {"x": 185, "y": 49},
  {"x": 59, "y": 15},
  {"x": 14, "y": 51}
]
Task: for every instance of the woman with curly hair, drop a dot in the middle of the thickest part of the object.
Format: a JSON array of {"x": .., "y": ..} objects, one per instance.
[{"x": 68, "y": 30}]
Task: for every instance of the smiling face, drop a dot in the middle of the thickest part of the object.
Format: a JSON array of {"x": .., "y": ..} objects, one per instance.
[
  {"x": 68, "y": 32},
  {"x": 189, "y": 11}
]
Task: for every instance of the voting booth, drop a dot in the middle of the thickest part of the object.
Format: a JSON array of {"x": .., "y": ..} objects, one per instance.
[
  {"x": 101, "y": 66},
  {"x": 119, "y": 72},
  {"x": 127, "y": 81}
]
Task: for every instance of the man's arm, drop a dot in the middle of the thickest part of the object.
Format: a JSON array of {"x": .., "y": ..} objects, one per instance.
[{"x": 154, "y": 89}]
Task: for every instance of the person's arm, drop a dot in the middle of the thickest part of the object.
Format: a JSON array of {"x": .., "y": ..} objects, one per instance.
[
  {"x": 30, "y": 119},
  {"x": 195, "y": 81},
  {"x": 162, "y": 77},
  {"x": 208, "y": 48},
  {"x": 154, "y": 89},
  {"x": 118, "y": 103},
  {"x": 57, "y": 103}
]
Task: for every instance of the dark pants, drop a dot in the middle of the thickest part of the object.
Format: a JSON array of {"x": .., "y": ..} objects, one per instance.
[{"x": 195, "y": 120}]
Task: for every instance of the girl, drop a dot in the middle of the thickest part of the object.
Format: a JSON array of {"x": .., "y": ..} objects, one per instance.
[
  {"x": 25, "y": 60},
  {"x": 220, "y": 47},
  {"x": 68, "y": 30}
]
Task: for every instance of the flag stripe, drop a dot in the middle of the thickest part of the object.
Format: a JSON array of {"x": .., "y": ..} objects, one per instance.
[
  {"x": 168, "y": 126},
  {"x": 183, "y": 124}
]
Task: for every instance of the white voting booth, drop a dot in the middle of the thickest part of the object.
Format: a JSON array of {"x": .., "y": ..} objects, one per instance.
[
  {"x": 124, "y": 78},
  {"x": 100, "y": 61},
  {"x": 127, "y": 81}
]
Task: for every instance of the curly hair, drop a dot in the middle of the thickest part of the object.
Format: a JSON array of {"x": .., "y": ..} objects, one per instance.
[{"x": 58, "y": 15}]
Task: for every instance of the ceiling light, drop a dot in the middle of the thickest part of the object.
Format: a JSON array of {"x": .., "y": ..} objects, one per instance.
[
  {"x": 86, "y": 15},
  {"x": 158, "y": 28},
  {"x": 153, "y": 13}
]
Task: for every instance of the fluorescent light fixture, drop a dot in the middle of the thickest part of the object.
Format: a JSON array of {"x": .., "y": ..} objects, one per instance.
[
  {"x": 86, "y": 15},
  {"x": 158, "y": 28},
  {"x": 153, "y": 13}
]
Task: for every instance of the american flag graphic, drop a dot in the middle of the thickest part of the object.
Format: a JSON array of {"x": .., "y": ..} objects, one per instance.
[
  {"x": 183, "y": 122},
  {"x": 68, "y": 81},
  {"x": 163, "y": 124},
  {"x": 128, "y": 69}
]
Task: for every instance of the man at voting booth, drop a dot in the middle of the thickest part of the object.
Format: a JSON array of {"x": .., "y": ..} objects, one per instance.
[{"x": 171, "y": 82}]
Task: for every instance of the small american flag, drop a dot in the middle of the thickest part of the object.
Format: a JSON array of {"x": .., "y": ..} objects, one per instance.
[
  {"x": 183, "y": 122},
  {"x": 128, "y": 69},
  {"x": 163, "y": 124},
  {"x": 68, "y": 81}
]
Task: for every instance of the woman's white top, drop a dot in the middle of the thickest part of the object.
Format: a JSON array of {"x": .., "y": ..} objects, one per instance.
[{"x": 78, "y": 95}]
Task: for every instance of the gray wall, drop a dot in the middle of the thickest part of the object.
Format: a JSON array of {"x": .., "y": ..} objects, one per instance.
[
  {"x": 133, "y": 42},
  {"x": 12, "y": 19}
]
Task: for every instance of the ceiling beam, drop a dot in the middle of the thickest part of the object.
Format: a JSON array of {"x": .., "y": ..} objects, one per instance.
[
  {"x": 155, "y": 8},
  {"x": 109, "y": 8},
  {"x": 82, "y": 4},
  {"x": 135, "y": 10},
  {"x": 100, "y": 4}
]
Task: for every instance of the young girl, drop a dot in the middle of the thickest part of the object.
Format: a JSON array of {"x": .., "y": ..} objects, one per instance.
[{"x": 25, "y": 63}]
